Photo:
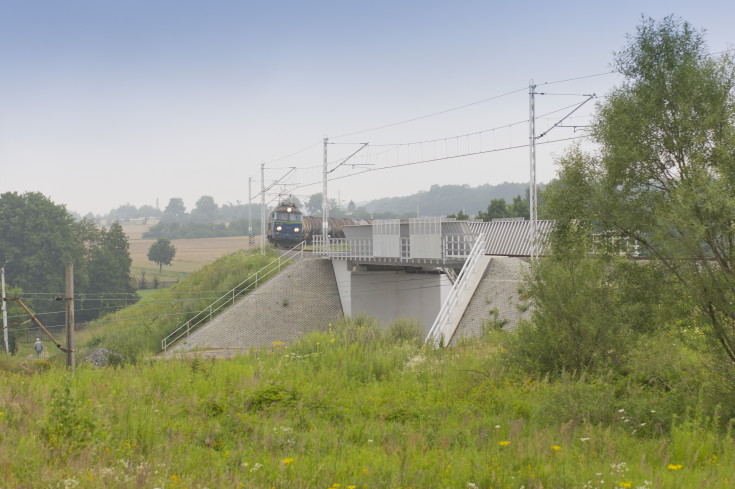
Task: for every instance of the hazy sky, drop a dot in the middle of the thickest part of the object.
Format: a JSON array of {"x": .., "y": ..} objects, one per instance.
[{"x": 106, "y": 102}]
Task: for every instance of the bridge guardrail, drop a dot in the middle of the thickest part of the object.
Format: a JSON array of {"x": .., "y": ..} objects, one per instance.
[
  {"x": 454, "y": 247},
  {"x": 247, "y": 285}
]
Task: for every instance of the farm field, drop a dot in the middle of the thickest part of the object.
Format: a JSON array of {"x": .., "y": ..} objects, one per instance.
[{"x": 191, "y": 254}]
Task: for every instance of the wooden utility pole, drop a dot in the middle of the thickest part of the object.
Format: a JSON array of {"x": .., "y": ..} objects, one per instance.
[{"x": 70, "y": 316}]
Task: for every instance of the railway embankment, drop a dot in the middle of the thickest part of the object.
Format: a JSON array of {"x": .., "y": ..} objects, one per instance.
[{"x": 301, "y": 298}]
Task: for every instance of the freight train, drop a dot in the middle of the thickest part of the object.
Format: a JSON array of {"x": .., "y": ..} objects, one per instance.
[{"x": 287, "y": 226}]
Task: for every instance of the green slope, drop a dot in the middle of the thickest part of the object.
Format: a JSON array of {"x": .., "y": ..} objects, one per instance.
[{"x": 138, "y": 329}]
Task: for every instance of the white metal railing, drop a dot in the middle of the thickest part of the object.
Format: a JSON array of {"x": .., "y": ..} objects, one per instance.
[
  {"x": 251, "y": 283},
  {"x": 458, "y": 246},
  {"x": 606, "y": 241},
  {"x": 454, "y": 247},
  {"x": 437, "y": 332}
]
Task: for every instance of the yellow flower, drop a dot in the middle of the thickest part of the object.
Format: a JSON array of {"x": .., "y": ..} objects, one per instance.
[
  {"x": 556, "y": 448},
  {"x": 626, "y": 484},
  {"x": 351, "y": 486},
  {"x": 675, "y": 467},
  {"x": 503, "y": 443},
  {"x": 287, "y": 460}
]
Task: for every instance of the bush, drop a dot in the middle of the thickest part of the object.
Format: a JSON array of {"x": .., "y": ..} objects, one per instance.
[{"x": 576, "y": 322}]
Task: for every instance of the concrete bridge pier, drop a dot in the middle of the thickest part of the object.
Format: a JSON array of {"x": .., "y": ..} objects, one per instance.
[{"x": 388, "y": 291}]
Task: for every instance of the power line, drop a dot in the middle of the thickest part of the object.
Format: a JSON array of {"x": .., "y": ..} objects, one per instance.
[
  {"x": 448, "y": 157},
  {"x": 576, "y": 78},
  {"x": 432, "y": 114}
]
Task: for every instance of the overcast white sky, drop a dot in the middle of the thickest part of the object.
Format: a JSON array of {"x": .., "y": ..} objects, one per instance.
[{"x": 108, "y": 102}]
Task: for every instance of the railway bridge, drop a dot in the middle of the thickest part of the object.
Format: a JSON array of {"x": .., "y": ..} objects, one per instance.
[{"x": 453, "y": 277}]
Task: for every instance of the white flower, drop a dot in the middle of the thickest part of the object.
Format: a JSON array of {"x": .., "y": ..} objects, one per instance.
[{"x": 584, "y": 439}]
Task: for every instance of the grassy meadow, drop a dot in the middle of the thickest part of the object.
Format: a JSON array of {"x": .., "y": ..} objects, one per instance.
[{"x": 359, "y": 406}]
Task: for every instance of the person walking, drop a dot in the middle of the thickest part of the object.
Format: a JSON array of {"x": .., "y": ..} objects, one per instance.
[{"x": 38, "y": 346}]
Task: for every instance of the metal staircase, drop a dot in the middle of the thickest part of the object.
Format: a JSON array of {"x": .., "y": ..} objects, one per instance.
[{"x": 446, "y": 323}]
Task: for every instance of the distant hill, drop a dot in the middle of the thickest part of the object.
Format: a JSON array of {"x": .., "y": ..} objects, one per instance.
[{"x": 441, "y": 200}]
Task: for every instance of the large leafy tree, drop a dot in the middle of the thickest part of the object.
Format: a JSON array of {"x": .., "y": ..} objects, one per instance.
[
  {"x": 665, "y": 174},
  {"x": 38, "y": 237},
  {"x": 161, "y": 252}
]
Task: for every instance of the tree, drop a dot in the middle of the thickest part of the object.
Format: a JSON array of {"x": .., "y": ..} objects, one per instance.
[
  {"x": 665, "y": 174},
  {"x": 161, "y": 252},
  {"x": 313, "y": 204},
  {"x": 495, "y": 210},
  {"x": 351, "y": 207},
  {"x": 460, "y": 216},
  {"x": 110, "y": 282},
  {"x": 519, "y": 208},
  {"x": 205, "y": 211},
  {"x": 175, "y": 211}
]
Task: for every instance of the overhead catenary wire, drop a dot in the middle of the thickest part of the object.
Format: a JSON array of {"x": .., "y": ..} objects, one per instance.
[
  {"x": 385, "y": 126},
  {"x": 433, "y": 160}
]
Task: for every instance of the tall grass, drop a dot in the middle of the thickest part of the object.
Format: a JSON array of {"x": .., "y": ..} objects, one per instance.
[{"x": 357, "y": 405}]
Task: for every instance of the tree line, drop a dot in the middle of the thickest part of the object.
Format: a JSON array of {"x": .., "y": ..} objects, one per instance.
[{"x": 38, "y": 237}]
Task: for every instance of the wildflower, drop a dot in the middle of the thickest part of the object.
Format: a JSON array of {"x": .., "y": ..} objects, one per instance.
[
  {"x": 626, "y": 484},
  {"x": 675, "y": 467},
  {"x": 497, "y": 426},
  {"x": 287, "y": 460},
  {"x": 621, "y": 410},
  {"x": 556, "y": 448},
  {"x": 471, "y": 485},
  {"x": 504, "y": 443},
  {"x": 351, "y": 486},
  {"x": 586, "y": 438}
]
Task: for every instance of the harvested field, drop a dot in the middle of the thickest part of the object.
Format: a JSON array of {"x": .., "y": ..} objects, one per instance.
[{"x": 191, "y": 254}]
